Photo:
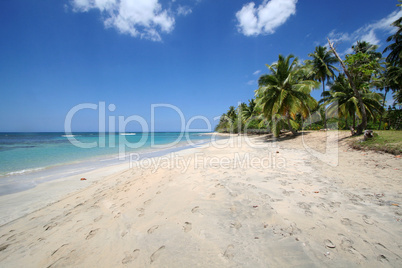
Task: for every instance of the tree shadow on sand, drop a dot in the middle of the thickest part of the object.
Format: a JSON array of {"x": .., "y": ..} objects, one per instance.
[{"x": 285, "y": 136}]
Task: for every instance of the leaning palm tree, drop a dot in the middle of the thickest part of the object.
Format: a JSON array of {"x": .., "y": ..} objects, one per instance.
[
  {"x": 342, "y": 100},
  {"x": 284, "y": 93}
]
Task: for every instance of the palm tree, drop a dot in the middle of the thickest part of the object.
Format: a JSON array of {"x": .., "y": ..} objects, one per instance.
[
  {"x": 241, "y": 108},
  {"x": 322, "y": 69},
  {"x": 224, "y": 124},
  {"x": 395, "y": 48},
  {"x": 284, "y": 93},
  {"x": 249, "y": 110},
  {"x": 342, "y": 100},
  {"x": 231, "y": 113},
  {"x": 322, "y": 65},
  {"x": 231, "y": 118},
  {"x": 367, "y": 48},
  {"x": 360, "y": 69},
  {"x": 240, "y": 118}
]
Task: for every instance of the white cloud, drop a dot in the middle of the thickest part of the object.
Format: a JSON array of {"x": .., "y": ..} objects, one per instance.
[
  {"x": 368, "y": 32},
  {"x": 265, "y": 18},
  {"x": 257, "y": 72},
  {"x": 339, "y": 37},
  {"x": 385, "y": 23},
  {"x": 184, "y": 10},
  {"x": 371, "y": 38},
  {"x": 140, "y": 18},
  {"x": 251, "y": 82}
]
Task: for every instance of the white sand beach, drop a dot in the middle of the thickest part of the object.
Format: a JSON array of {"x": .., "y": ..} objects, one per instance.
[{"x": 265, "y": 204}]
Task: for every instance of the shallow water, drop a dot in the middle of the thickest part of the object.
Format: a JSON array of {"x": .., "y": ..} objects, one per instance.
[{"x": 27, "y": 159}]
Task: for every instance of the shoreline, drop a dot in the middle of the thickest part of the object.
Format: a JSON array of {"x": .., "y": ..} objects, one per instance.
[
  {"x": 258, "y": 204},
  {"x": 22, "y": 180},
  {"x": 146, "y": 147},
  {"x": 29, "y": 198}
]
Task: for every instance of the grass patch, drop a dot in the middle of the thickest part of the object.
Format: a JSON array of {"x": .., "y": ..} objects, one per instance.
[{"x": 389, "y": 141}]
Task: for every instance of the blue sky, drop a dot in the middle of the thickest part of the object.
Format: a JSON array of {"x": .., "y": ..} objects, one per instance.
[{"x": 199, "y": 55}]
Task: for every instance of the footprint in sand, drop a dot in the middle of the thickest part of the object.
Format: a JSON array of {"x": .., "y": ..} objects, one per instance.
[
  {"x": 59, "y": 249},
  {"x": 92, "y": 233},
  {"x": 98, "y": 218},
  {"x": 212, "y": 195},
  {"x": 367, "y": 220},
  {"x": 304, "y": 205},
  {"x": 382, "y": 258},
  {"x": 142, "y": 212},
  {"x": 156, "y": 254},
  {"x": 50, "y": 226},
  {"x": 346, "y": 244},
  {"x": 237, "y": 225},
  {"x": 152, "y": 229},
  {"x": 335, "y": 204},
  {"x": 125, "y": 204},
  {"x": 80, "y": 204},
  {"x": 12, "y": 238},
  {"x": 187, "y": 227},
  {"x": 287, "y": 193},
  {"x": 3, "y": 247},
  {"x": 131, "y": 256},
  {"x": 195, "y": 209},
  {"x": 328, "y": 243},
  {"x": 147, "y": 202},
  {"x": 346, "y": 221},
  {"x": 233, "y": 194},
  {"x": 229, "y": 254},
  {"x": 80, "y": 229}
]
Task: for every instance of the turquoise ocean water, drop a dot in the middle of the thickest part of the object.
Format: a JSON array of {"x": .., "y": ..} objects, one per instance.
[{"x": 27, "y": 159}]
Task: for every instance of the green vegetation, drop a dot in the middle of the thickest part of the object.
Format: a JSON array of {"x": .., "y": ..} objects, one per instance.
[
  {"x": 385, "y": 141},
  {"x": 283, "y": 102},
  {"x": 285, "y": 93}
]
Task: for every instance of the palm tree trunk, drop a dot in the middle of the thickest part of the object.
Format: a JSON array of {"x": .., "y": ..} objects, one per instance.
[
  {"x": 290, "y": 126},
  {"x": 325, "y": 114},
  {"x": 383, "y": 106}
]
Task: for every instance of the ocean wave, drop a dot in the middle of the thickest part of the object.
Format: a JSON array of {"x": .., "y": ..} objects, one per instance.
[
  {"x": 70, "y": 136},
  {"x": 24, "y": 171},
  {"x": 128, "y": 134}
]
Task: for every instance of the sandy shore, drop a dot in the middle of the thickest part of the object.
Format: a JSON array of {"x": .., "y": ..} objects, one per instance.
[{"x": 235, "y": 204}]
